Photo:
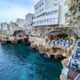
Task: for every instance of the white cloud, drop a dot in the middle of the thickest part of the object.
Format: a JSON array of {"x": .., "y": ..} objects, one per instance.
[
  {"x": 13, "y": 13},
  {"x": 11, "y": 10}
]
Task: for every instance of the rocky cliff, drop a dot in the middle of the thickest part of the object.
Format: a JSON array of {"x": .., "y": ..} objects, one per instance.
[
  {"x": 13, "y": 36},
  {"x": 73, "y": 16},
  {"x": 73, "y": 21},
  {"x": 49, "y": 48}
]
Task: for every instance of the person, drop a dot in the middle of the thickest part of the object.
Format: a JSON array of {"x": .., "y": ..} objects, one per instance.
[{"x": 75, "y": 65}]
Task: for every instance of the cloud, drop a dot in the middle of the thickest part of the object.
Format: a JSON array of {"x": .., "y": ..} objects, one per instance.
[
  {"x": 10, "y": 10},
  {"x": 13, "y": 13}
]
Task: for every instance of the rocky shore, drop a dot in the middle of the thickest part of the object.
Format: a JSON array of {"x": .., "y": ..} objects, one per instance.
[
  {"x": 15, "y": 37},
  {"x": 41, "y": 40},
  {"x": 45, "y": 40},
  {"x": 48, "y": 47},
  {"x": 58, "y": 41}
]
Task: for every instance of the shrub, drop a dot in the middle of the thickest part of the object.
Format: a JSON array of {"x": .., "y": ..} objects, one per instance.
[{"x": 63, "y": 36}]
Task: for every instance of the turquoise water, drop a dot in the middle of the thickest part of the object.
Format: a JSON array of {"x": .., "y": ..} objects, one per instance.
[{"x": 19, "y": 62}]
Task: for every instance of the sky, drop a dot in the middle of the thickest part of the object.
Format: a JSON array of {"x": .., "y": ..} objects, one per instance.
[{"x": 10, "y": 10}]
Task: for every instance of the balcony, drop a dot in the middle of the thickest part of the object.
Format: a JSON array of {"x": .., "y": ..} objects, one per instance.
[{"x": 46, "y": 20}]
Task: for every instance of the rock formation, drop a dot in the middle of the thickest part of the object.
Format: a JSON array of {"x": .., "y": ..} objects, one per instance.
[
  {"x": 39, "y": 41},
  {"x": 73, "y": 21},
  {"x": 73, "y": 16}
]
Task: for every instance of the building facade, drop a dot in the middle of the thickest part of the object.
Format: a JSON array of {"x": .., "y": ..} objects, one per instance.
[
  {"x": 0, "y": 26},
  {"x": 13, "y": 26},
  {"x": 29, "y": 21},
  {"x": 20, "y": 23},
  {"x": 49, "y": 12},
  {"x": 4, "y": 26}
]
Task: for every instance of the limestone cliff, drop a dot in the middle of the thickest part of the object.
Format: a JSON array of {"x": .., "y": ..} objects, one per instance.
[
  {"x": 73, "y": 21},
  {"x": 73, "y": 16},
  {"x": 51, "y": 49}
]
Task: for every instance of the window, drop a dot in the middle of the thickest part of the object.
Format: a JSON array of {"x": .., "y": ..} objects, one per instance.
[
  {"x": 51, "y": 13},
  {"x": 41, "y": 21},
  {"x": 56, "y": 4},
  {"x": 42, "y": 3},
  {"x": 50, "y": 20},
  {"x": 44, "y": 21},
  {"x": 56, "y": 11},
  {"x": 47, "y": 20}
]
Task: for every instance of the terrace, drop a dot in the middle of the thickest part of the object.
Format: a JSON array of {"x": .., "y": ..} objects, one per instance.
[
  {"x": 63, "y": 41},
  {"x": 74, "y": 63}
]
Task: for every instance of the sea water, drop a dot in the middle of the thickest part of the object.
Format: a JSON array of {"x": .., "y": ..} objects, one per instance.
[{"x": 20, "y": 62}]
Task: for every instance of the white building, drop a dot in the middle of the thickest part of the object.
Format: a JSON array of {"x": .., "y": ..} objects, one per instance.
[
  {"x": 0, "y": 26},
  {"x": 29, "y": 21},
  {"x": 13, "y": 26},
  {"x": 50, "y": 12},
  {"x": 20, "y": 23},
  {"x": 4, "y": 26}
]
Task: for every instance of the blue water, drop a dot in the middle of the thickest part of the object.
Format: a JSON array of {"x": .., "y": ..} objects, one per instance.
[{"x": 19, "y": 62}]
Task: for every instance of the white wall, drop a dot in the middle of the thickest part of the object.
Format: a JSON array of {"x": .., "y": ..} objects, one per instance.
[
  {"x": 0, "y": 26},
  {"x": 29, "y": 21},
  {"x": 13, "y": 26},
  {"x": 49, "y": 3},
  {"x": 49, "y": 7},
  {"x": 40, "y": 8},
  {"x": 61, "y": 15},
  {"x": 20, "y": 23},
  {"x": 29, "y": 18},
  {"x": 50, "y": 17},
  {"x": 4, "y": 26}
]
